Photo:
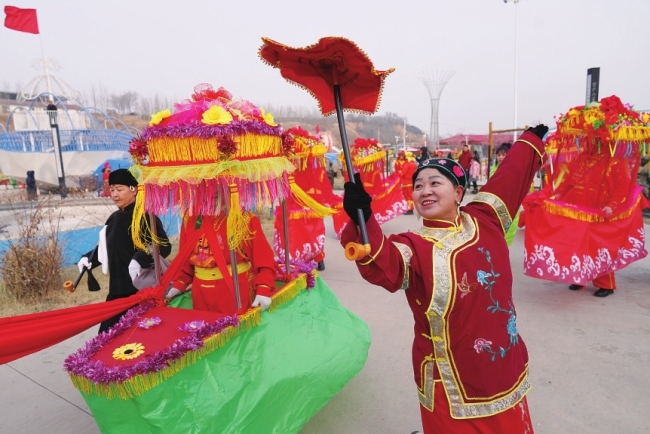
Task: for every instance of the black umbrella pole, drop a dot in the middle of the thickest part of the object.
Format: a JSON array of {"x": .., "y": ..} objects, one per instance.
[{"x": 353, "y": 251}]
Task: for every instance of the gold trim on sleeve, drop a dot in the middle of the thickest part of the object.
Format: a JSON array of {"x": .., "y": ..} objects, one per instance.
[
  {"x": 499, "y": 208},
  {"x": 407, "y": 254},
  {"x": 541, "y": 156}
]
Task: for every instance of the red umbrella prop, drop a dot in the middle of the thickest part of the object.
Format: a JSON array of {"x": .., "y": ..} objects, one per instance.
[{"x": 322, "y": 69}]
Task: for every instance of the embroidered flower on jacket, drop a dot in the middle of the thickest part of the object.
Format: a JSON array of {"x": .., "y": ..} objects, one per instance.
[
  {"x": 512, "y": 329},
  {"x": 482, "y": 277},
  {"x": 480, "y": 344}
]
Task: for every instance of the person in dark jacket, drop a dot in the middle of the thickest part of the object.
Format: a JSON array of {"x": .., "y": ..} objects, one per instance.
[
  {"x": 30, "y": 183},
  {"x": 116, "y": 252}
]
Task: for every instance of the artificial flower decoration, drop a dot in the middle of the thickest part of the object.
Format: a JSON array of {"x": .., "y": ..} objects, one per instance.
[
  {"x": 458, "y": 171},
  {"x": 156, "y": 118},
  {"x": 216, "y": 115},
  {"x": 192, "y": 326},
  {"x": 138, "y": 149},
  {"x": 268, "y": 118},
  {"x": 128, "y": 351},
  {"x": 148, "y": 323}
]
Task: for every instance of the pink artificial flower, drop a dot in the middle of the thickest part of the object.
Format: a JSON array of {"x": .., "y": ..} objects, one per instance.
[{"x": 458, "y": 171}]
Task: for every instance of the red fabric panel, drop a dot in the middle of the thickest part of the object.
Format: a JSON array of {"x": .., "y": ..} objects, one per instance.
[
  {"x": 306, "y": 237},
  {"x": 26, "y": 334},
  {"x": 574, "y": 251}
]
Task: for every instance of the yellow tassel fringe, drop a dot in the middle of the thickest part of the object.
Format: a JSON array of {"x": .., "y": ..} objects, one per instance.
[
  {"x": 253, "y": 170},
  {"x": 192, "y": 149},
  {"x": 306, "y": 201},
  {"x": 593, "y": 217}
]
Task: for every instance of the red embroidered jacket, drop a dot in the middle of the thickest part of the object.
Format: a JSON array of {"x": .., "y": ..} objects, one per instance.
[{"x": 458, "y": 283}]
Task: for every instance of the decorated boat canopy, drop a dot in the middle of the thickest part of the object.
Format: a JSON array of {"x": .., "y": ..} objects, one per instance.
[
  {"x": 595, "y": 152},
  {"x": 192, "y": 157},
  {"x": 608, "y": 122},
  {"x": 309, "y": 150},
  {"x": 367, "y": 155}
]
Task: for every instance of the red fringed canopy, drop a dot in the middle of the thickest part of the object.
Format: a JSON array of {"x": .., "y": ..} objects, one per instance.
[{"x": 331, "y": 61}]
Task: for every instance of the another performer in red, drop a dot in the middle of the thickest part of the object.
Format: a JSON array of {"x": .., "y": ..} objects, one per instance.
[
  {"x": 470, "y": 364},
  {"x": 465, "y": 158},
  {"x": 206, "y": 267},
  {"x": 405, "y": 167}
]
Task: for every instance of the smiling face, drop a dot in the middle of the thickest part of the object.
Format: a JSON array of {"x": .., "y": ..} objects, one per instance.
[
  {"x": 500, "y": 157},
  {"x": 435, "y": 196},
  {"x": 123, "y": 195}
]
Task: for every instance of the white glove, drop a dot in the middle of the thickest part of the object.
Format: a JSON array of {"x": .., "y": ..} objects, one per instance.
[
  {"x": 134, "y": 269},
  {"x": 83, "y": 263},
  {"x": 172, "y": 292},
  {"x": 262, "y": 301}
]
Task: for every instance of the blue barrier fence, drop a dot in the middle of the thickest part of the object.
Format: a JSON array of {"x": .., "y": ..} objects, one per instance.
[
  {"x": 79, "y": 241},
  {"x": 71, "y": 140}
]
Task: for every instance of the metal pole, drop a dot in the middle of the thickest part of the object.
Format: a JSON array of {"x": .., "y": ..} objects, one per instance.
[
  {"x": 285, "y": 227},
  {"x": 348, "y": 158},
  {"x": 56, "y": 143},
  {"x": 155, "y": 252},
  {"x": 515, "y": 125},
  {"x": 233, "y": 258}
]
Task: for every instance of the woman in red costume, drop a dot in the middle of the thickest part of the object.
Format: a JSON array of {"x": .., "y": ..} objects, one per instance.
[{"x": 470, "y": 364}]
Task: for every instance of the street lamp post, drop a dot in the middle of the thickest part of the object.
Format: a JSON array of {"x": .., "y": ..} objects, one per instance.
[{"x": 56, "y": 142}]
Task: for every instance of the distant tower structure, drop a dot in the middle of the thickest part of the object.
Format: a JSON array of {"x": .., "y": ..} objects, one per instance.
[
  {"x": 435, "y": 81},
  {"x": 46, "y": 82}
]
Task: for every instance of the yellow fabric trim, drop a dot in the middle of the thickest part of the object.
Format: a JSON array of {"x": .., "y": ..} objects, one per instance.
[
  {"x": 566, "y": 210},
  {"x": 192, "y": 149},
  {"x": 372, "y": 258},
  {"x": 369, "y": 159},
  {"x": 255, "y": 170},
  {"x": 306, "y": 201},
  {"x": 215, "y": 273},
  {"x": 498, "y": 206}
]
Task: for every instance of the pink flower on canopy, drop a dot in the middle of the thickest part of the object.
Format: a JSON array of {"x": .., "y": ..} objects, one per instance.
[{"x": 458, "y": 171}]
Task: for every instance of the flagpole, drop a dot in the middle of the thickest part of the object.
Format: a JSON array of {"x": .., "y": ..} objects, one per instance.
[{"x": 47, "y": 69}]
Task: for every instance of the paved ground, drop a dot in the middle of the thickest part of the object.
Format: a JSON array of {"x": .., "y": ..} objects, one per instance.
[{"x": 589, "y": 360}]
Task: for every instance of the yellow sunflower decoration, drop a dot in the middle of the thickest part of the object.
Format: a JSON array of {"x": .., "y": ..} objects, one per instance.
[{"x": 128, "y": 351}]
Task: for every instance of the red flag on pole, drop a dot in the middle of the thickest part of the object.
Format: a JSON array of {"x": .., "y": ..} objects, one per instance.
[{"x": 23, "y": 20}]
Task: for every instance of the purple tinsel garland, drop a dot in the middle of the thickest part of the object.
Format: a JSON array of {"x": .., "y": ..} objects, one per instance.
[
  {"x": 302, "y": 267},
  {"x": 80, "y": 363}
]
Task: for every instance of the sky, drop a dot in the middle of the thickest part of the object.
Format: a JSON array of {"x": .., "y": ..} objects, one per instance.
[{"x": 166, "y": 48}]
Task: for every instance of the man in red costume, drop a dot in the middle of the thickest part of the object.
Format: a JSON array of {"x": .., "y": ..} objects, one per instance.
[{"x": 206, "y": 267}]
